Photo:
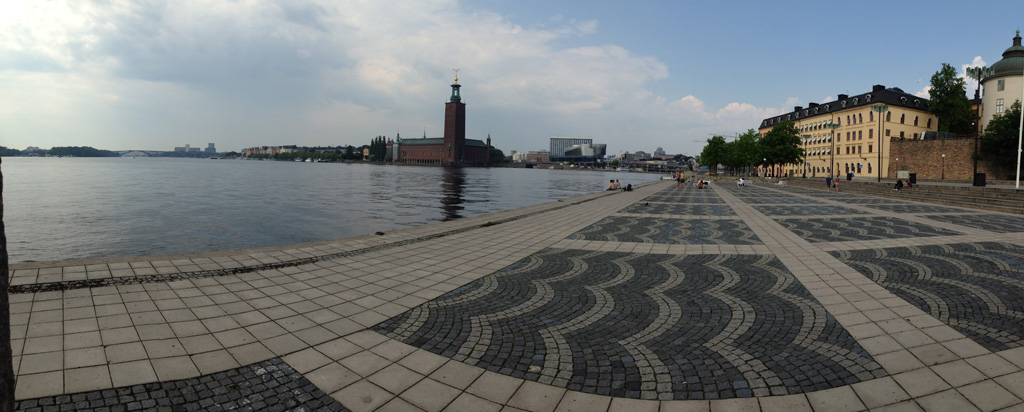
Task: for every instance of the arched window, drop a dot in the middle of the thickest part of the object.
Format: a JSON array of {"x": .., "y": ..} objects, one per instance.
[
  {"x": 848, "y": 119},
  {"x": 871, "y": 116},
  {"x": 869, "y": 167},
  {"x": 915, "y": 120},
  {"x": 888, "y": 116},
  {"x": 860, "y": 118},
  {"x": 929, "y": 123},
  {"x": 903, "y": 118}
]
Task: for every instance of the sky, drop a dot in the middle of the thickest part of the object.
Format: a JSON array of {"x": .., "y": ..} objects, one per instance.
[{"x": 152, "y": 75}]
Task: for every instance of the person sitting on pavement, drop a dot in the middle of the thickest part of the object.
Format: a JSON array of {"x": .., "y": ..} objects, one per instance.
[
  {"x": 898, "y": 185},
  {"x": 629, "y": 187},
  {"x": 617, "y": 186},
  {"x": 741, "y": 182},
  {"x": 611, "y": 185}
]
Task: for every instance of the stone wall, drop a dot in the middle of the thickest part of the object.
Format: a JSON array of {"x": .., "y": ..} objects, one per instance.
[{"x": 924, "y": 157}]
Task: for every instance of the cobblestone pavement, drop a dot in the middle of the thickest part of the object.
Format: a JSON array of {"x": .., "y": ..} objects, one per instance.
[
  {"x": 270, "y": 385},
  {"x": 990, "y": 222},
  {"x": 658, "y": 230},
  {"x": 977, "y": 288},
  {"x": 843, "y": 229},
  {"x": 662, "y": 208},
  {"x": 592, "y": 303},
  {"x": 643, "y": 326},
  {"x": 810, "y": 210},
  {"x": 916, "y": 209}
]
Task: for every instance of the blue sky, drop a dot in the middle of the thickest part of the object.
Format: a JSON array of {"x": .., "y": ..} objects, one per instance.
[{"x": 154, "y": 75}]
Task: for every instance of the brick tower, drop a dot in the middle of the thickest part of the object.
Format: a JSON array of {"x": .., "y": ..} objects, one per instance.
[{"x": 454, "y": 126}]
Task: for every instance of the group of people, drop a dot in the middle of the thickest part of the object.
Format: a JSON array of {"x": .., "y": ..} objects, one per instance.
[
  {"x": 831, "y": 183},
  {"x": 899, "y": 185},
  {"x": 614, "y": 185}
]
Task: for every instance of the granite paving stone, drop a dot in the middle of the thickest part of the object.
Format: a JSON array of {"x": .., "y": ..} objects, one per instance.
[{"x": 760, "y": 298}]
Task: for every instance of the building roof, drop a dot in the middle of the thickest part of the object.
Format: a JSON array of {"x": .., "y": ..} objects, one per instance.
[
  {"x": 437, "y": 141},
  {"x": 892, "y": 96},
  {"x": 1012, "y": 62}
]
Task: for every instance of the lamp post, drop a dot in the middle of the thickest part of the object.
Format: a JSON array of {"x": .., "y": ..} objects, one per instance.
[
  {"x": 943, "y": 166},
  {"x": 1020, "y": 127},
  {"x": 806, "y": 138},
  {"x": 880, "y": 109},
  {"x": 832, "y": 151},
  {"x": 977, "y": 73}
]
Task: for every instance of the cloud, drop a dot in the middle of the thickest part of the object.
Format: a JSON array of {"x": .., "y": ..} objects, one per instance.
[
  {"x": 153, "y": 74},
  {"x": 971, "y": 83}
]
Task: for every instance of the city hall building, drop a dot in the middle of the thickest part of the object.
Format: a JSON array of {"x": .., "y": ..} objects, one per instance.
[
  {"x": 846, "y": 135},
  {"x": 451, "y": 150}
]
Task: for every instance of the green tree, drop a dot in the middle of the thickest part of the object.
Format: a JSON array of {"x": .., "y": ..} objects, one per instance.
[
  {"x": 781, "y": 145},
  {"x": 715, "y": 152},
  {"x": 348, "y": 152},
  {"x": 948, "y": 101},
  {"x": 999, "y": 143},
  {"x": 497, "y": 156},
  {"x": 743, "y": 151}
]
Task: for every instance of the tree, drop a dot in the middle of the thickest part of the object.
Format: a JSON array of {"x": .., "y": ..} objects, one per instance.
[
  {"x": 948, "y": 102},
  {"x": 348, "y": 152},
  {"x": 6, "y": 355},
  {"x": 781, "y": 146},
  {"x": 999, "y": 143},
  {"x": 714, "y": 153},
  {"x": 497, "y": 156},
  {"x": 743, "y": 151}
]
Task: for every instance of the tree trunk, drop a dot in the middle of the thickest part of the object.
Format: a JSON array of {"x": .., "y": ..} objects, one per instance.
[{"x": 6, "y": 360}]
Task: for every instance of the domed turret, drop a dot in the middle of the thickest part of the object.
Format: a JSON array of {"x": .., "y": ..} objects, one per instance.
[{"x": 1012, "y": 63}]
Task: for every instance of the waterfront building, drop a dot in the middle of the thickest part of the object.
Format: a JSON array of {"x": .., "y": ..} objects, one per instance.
[
  {"x": 453, "y": 148},
  {"x": 1002, "y": 85},
  {"x": 211, "y": 149},
  {"x": 853, "y": 144}
]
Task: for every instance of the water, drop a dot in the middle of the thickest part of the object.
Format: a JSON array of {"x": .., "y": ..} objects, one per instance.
[{"x": 75, "y": 208}]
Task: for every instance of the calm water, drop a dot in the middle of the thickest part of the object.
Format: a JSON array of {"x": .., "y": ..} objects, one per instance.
[{"x": 59, "y": 209}]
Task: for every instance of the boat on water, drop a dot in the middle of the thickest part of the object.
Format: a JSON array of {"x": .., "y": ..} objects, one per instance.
[{"x": 622, "y": 169}]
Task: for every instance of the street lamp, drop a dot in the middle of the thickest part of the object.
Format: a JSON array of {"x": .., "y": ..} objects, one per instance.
[
  {"x": 880, "y": 109},
  {"x": 977, "y": 73},
  {"x": 832, "y": 151},
  {"x": 943, "y": 166},
  {"x": 806, "y": 138}
]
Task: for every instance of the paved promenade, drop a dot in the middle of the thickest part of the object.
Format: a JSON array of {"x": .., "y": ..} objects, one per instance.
[{"x": 759, "y": 298}]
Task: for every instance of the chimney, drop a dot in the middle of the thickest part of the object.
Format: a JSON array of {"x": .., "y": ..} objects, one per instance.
[
  {"x": 843, "y": 97},
  {"x": 812, "y": 105},
  {"x": 797, "y": 108},
  {"x": 877, "y": 88}
]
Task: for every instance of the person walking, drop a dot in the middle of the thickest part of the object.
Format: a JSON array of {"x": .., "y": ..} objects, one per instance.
[{"x": 828, "y": 183}]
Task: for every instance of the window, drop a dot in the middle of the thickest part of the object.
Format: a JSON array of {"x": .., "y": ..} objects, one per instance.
[
  {"x": 871, "y": 116},
  {"x": 839, "y": 121},
  {"x": 847, "y": 136},
  {"x": 888, "y": 116},
  {"x": 858, "y": 149},
  {"x": 847, "y": 149},
  {"x": 901, "y": 136},
  {"x": 915, "y": 136},
  {"x": 1000, "y": 85},
  {"x": 860, "y": 118},
  {"x": 915, "y": 120},
  {"x": 903, "y": 118},
  {"x": 999, "y": 105},
  {"x": 869, "y": 148},
  {"x": 929, "y": 122},
  {"x": 860, "y": 135},
  {"x": 871, "y": 134},
  {"x": 887, "y": 132},
  {"x": 848, "y": 119}
]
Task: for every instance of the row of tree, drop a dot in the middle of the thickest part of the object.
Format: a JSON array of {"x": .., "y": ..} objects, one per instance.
[
  {"x": 378, "y": 148},
  {"x": 76, "y": 151},
  {"x": 322, "y": 155},
  {"x": 779, "y": 146}
]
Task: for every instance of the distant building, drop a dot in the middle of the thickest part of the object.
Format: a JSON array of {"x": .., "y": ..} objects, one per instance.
[
  {"x": 857, "y": 131},
  {"x": 659, "y": 152},
  {"x": 539, "y": 156},
  {"x": 211, "y": 149},
  {"x": 577, "y": 149},
  {"x": 453, "y": 148}
]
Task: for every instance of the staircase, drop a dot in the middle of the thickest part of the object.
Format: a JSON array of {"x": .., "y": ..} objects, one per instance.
[{"x": 985, "y": 198}]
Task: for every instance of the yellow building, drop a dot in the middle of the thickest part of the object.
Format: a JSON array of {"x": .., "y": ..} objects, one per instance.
[{"x": 842, "y": 133}]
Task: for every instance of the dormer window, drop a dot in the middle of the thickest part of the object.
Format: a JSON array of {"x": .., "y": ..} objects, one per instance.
[
  {"x": 856, "y": 100},
  {"x": 867, "y": 98},
  {"x": 844, "y": 103},
  {"x": 903, "y": 100}
]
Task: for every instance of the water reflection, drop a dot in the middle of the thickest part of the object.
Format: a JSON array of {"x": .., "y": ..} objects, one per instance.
[{"x": 454, "y": 179}]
